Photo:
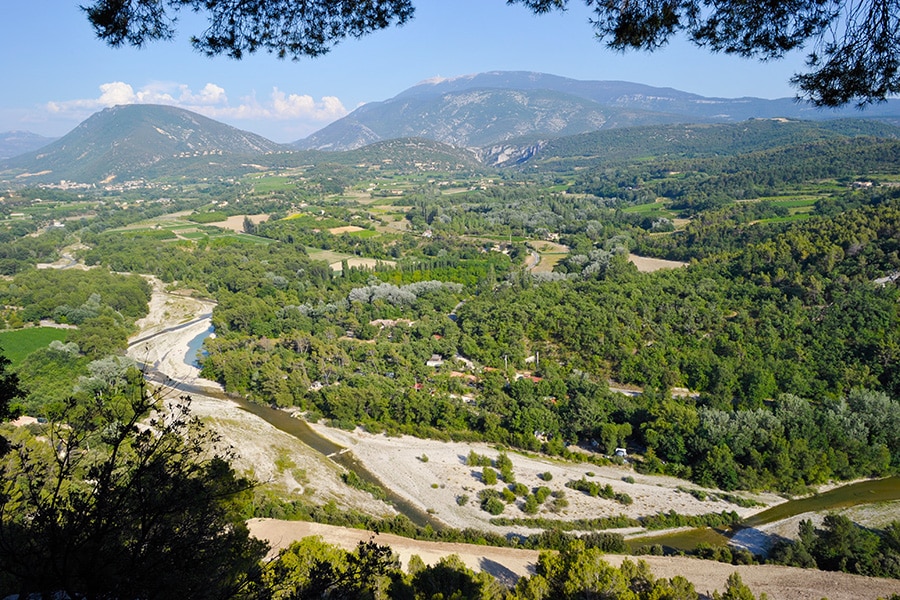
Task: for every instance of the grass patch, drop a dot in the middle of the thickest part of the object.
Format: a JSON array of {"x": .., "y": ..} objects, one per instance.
[
  {"x": 328, "y": 256},
  {"x": 365, "y": 233},
  {"x": 208, "y": 217},
  {"x": 19, "y": 343},
  {"x": 243, "y": 237},
  {"x": 271, "y": 184},
  {"x": 651, "y": 210}
]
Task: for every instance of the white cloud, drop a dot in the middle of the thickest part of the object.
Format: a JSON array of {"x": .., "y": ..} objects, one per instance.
[
  {"x": 301, "y": 110},
  {"x": 292, "y": 106},
  {"x": 115, "y": 93},
  {"x": 211, "y": 94}
]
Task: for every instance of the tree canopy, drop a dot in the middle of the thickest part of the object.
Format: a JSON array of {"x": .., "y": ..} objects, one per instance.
[{"x": 853, "y": 46}]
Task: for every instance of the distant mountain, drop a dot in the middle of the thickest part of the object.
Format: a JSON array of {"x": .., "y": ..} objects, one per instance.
[
  {"x": 139, "y": 140},
  {"x": 14, "y": 143},
  {"x": 490, "y": 109}
]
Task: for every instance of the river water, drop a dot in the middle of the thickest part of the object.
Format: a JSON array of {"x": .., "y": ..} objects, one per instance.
[
  {"x": 853, "y": 494},
  {"x": 195, "y": 348}
]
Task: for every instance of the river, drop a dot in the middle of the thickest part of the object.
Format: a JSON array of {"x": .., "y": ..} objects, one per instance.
[{"x": 846, "y": 496}]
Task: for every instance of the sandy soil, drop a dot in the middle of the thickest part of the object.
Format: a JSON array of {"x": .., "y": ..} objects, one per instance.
[
  {"x": 344, "y": 229},
  {"x": 648, "y": 265},
  {"x": 236, "y": 222},
  {"x": 281, "y": 462},
  {"x": 507, "y": 564},
  {"x": 548, "y": 247},
  {"x": 436, "y": 484},
  {"x": 369, "y": 263}
]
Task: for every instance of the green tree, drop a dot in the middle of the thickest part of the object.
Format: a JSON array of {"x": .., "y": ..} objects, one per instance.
[
  {"x": 735, "y": 589},
  {"x": 358, "y": 575},
  {"x": 9, "y": 391},
  {"x": 113, "y": 501},
  {"x": 842, "y": 545},
  {"x": 488, "y": 476},
  {"x": 451, "y": 578}
]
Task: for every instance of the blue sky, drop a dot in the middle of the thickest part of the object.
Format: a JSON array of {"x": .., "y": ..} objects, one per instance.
[{"x": 56, "y": 73}]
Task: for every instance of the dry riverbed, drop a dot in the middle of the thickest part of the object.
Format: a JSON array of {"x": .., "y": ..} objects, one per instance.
[{"x": 433, "y": 476}]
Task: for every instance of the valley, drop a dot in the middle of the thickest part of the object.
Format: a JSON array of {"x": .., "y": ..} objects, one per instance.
[{"x": 629, "y": 339}]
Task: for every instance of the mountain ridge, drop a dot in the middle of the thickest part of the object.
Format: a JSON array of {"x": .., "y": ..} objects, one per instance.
[
  {"x": 131, "y": 141},
  {"x": 441, "y": 123},
  {"x": 584, "y": 106},
  {"x": 14, "y": 143}
]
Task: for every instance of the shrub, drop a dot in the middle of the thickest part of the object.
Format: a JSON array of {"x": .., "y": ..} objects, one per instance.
[
  {"x": 623, "y": 498},
  {"x": 559, "y": 501},
  {"x": 477, "y": 460},
  {"x": 495, "y": 506},
  {"x": 489, "y": 476},
  {"x": 491, "y": 502},
  {"x": 541, "y": 494},
  {"x": 504, "y": 462}
]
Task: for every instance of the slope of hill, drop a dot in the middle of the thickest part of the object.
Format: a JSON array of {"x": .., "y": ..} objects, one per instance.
[
  {"x": 407, "y": 154},
  {"x": 134, "y": 141},
  {"x": 476, "y": 117},
  {"x": 14, "y": 143},
  {"x": 491, "y": 108},
  {"x": 695, "y": 140}
]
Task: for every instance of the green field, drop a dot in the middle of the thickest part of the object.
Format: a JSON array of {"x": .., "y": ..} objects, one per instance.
[
  {"x": 328, "y": 256},
  {"x": 188, "y": 230},
  {"x": 651, "y": 210},
  {"x": 309, "y": 221},
  {"x": 262, "y": 185},
  {"x": 19, "y": 343},
  {"x": 365, "y": 233}
]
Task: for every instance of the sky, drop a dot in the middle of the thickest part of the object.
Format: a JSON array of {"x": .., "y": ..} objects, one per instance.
[{"x": 55, "y": 73}]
